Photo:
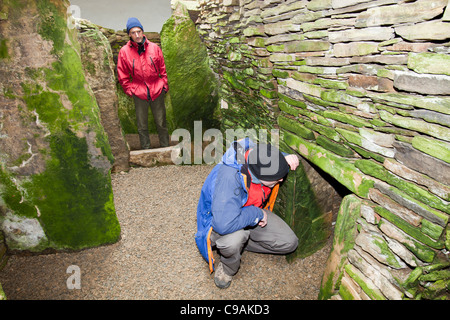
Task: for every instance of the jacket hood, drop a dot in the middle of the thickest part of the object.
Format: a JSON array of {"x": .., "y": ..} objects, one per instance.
[{"x": 234, "y": 156}]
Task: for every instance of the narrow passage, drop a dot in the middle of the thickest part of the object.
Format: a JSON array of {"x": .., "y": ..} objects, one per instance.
[{"x": 157, "y": 257}]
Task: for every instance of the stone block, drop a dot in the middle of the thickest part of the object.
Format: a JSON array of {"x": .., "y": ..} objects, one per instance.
[
  {"x": 417, "y": 11},
  {"x": 423, "y": 252},
  {"x": 422, "y": 83},
  {"x": 430, "y": 30},
  {"x": 280, "y": 27},
  {"x": 307, "y": 46},
  {"x": 355, "y": 138},
  {"x": 423, "y": 163},
  {"x": 354, "y": 49},
  {"x": 434, "y": 130},
  {"x": 364, "y": 34},
  {"x": 343, "y": 241},
  {"x": 432, "y": 185},
  {"x": 436, "y": 148},
  {"x": 304, "y": 87},
  {"x": 154, "y": 157},
  {"x": 439, "y": 104},
  {"x": 316, "y": 5},
  {"x": 435, "y": 63}
]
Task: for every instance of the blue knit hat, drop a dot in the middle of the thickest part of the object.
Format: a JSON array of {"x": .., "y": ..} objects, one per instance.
[{"x": 133, "y": 22}]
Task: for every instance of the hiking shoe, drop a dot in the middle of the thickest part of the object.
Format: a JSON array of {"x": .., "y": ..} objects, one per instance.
[{"x": 221, "y": 279}]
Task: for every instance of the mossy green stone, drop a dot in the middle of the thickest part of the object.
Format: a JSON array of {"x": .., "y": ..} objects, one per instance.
[
  {"x": 433, "y": 147},
  {"x": 297, "y": 205},
  {"x": 419, "y": 194},
  {"x": 340, "y": 168},
  {"x": 434, "y": 63},
  {"x": 345, "y": 232},
  {"x": 414, "y": 232},
  {"x": 295, "y": 127},
  {"x": 71, "y": 199},
  {"x": 186, "y": 57},
  {"x": 334, "y": 147}
]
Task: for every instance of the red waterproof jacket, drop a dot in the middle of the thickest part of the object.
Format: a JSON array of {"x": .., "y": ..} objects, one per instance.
[{"x": 142, "y": 75}]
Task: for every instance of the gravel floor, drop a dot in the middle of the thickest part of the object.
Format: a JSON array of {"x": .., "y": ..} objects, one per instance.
[{"x": 157, "y": 257}]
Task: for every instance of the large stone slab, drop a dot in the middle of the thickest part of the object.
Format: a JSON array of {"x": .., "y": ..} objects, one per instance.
[
  {"x": 155, "y": 157},
  {"x": 430, "y": 30},
  {"x": 422, "y": 83},
  {"x": 56, "y": 159},
  {"x": 354, "y": 49},
  {"x": 435, "y": 63},
  {"x": 364, "y": 34},
  {"x": 417, "y": 11},
  {"x": 421, "y": 162}
]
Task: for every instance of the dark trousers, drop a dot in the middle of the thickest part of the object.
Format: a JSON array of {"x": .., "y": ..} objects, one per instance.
[
  {"x": 275, "y": 238},
  {"x": 159, "y": 114}
]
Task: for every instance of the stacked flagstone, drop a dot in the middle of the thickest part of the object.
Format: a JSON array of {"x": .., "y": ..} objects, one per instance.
[{"x": 359, "y": 88}]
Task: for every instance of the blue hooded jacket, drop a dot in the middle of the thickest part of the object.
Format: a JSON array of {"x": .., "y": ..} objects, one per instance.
[{"x": 222, "y": 200}]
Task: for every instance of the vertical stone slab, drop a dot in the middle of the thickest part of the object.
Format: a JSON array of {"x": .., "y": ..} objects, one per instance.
[
  {"x": 193, "y": 87},
  {"x": 306, "y": 202},
  {"x": 98, "y": 64},
  {"x": 55, "y": 156},
  {"x": 344, "y": 240}
]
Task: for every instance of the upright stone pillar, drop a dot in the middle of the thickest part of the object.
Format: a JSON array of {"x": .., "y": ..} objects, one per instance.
[{"x": 55, "y": 159}]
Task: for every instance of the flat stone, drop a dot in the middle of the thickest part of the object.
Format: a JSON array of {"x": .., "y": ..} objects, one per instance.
[
  {"x": 357, "y": 139},
  {"x": 418, "y": 207},
  {"x": 376, "y": 246},
  {"x": 423, "y": 163},
  {"x": 374, "y": 271},
  {"x": 280, "y": 27},
  {"x": 430, "y": 30},
  {"x": 381, "y": 139},
  {"x": 435, "y": 63},
  {"x": 345, "y": 3},
  {"x": 423, "y": 252},
  {"x": 316, "y": 5},
  {"x": 371, "y": 83},
  {"x": 436, "y": 148},
  {"x": 432, "y": 185},
  {"x": 431, "y": 129},
  {"x": 408, "y": 215},
  {"x": 354, "y": 49},
  {"x": 382, "y": 59},
  {"x": 364, "y": 34},
  {"x": 403, "y": 13},
  {"x": 439, "y": 104},
  {"x": 154, "y": 157},
  {"x": 422, "y": 83},
  {"x": 326, "y": 23},
  {"x": 304, "y": 87},
  {"x": 307, "y": 45}
]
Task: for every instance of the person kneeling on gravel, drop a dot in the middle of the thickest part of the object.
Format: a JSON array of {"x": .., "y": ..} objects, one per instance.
[{"x": 234, "y": 211}]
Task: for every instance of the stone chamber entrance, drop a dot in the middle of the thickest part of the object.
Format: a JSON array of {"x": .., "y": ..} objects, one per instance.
[{"x": 353, "y": 88}]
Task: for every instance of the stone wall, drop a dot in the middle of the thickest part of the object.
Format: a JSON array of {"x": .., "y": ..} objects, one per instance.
[{"x": 360, "y": 89}]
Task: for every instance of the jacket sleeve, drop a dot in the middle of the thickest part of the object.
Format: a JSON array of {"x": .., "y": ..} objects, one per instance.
[
  {"x": 123, "y": 74},
  {"x": 162, "y": 70},
  {"x": 228, "y": 213}
]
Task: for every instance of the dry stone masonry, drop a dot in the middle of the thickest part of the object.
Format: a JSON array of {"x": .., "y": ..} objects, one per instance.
[{"x": 360, "y": 89}]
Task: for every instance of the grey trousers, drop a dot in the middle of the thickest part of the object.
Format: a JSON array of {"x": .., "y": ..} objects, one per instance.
[
  {"x": 159, "y": 114},
  {"x": 275, "y": 238}
]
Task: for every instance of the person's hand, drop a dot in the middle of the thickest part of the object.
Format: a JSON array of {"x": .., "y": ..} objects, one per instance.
[
  {"x": 292, "y": 161},
  {"x": 262, "y": 223}
]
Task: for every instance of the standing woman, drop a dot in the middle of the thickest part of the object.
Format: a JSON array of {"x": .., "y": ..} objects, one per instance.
[{"x": 142, "y": 74}]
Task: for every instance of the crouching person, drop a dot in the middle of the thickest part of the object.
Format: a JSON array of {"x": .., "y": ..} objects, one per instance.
[{"x": 234, "y": 212}]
